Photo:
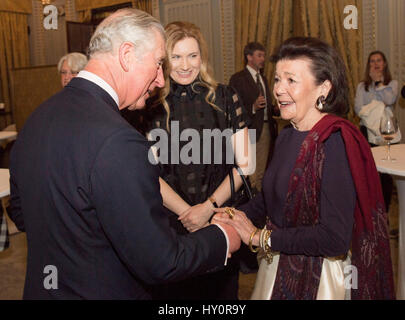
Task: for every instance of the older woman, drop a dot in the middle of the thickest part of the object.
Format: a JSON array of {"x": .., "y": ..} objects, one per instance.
[
  {"x": 195, "y": 176},
  {"x": 70, "y": 65},
  {"x": 321, "y": 195}
]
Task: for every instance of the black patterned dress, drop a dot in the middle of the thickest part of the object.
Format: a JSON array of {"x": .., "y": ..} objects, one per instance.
[{"x": 196, "y": 175}]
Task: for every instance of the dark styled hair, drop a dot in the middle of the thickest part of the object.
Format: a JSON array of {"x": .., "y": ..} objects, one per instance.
[
  {"x": 250, "y": 48},
  {"x": 386, "y": 73},
  {"x": 325, "y": 64}
]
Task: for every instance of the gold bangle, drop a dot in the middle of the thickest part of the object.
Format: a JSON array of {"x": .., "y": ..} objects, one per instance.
[
  {"x": 250, "y": 242},
  {"x": 267, "y": 249},
  {"x": 261, "y": 242},
  {"x": 213, "y": 201}
]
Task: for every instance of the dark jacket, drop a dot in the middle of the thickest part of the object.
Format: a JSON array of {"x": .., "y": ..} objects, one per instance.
[
  {"x": 84, "y": 191},
  {"x": 248, "y": 91}
]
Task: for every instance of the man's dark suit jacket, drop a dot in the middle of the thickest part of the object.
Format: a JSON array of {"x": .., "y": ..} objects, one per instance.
[
  {"x": 248, "y": 91},
  {"x": 84, "y": 191}
]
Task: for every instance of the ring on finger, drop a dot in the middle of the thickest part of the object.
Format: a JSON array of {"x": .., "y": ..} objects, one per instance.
[{"x": 230, "y": 212}]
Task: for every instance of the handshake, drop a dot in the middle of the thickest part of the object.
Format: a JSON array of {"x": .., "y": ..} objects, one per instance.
[{"x": 237, "y": 227}]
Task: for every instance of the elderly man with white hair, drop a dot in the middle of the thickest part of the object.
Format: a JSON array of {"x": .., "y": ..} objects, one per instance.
[{"x": 82, "y": 187}]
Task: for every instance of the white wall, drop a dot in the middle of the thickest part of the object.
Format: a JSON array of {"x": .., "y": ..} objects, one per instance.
[{"x": 47, "y": 46}]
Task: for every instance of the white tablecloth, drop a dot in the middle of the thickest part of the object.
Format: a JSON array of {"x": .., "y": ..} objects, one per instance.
[{"x": 397, "y": 170}]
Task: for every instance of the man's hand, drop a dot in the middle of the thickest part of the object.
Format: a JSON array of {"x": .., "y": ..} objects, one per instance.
[
  {"x": 260, "y": 103},
  {"x": 233, "y": 237}
]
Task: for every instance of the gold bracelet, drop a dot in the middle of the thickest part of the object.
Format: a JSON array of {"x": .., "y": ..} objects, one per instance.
[
  {"x": 261, "y": 242},
  {"x": 213, "y": 201},
  {"x": 250, "y": 242},
  {"x": 267, "y": 249}
]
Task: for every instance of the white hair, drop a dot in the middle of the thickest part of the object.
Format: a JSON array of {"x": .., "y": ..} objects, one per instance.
[
  {"x": 126, "y": 25},
  {"x": 76, "y": 61}
]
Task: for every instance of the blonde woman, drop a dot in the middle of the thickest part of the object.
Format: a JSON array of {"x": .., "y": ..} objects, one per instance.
[{"x": 194, "y": 172}]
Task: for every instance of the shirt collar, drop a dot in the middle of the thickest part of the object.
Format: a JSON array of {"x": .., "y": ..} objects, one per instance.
[
  {"x": 252, "y": 71},
  {"x": 190, "y": 90},
  {"x": 100, "y": 82}
]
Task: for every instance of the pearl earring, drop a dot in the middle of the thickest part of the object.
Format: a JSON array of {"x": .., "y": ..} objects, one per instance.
[{"x": 320, "y": 102}]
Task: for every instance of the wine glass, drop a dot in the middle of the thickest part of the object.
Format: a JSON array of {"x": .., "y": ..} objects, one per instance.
[{"x": 388, "y": 129}]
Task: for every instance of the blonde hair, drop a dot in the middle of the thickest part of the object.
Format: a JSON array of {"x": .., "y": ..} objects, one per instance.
[{"x": 175, "y": 32}]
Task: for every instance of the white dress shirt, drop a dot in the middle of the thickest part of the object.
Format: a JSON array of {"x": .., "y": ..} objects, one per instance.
[
  {"x": 253, "y": 72},
  {"x": 100, "y": 82}
]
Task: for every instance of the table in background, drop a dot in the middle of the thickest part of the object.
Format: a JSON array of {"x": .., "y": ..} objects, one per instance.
[
  {"x": 4, "y": 191},
  {"x": 397, "y": 170}
]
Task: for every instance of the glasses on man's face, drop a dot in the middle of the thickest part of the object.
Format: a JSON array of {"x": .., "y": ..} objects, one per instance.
[{"x": 69, "y": 73}]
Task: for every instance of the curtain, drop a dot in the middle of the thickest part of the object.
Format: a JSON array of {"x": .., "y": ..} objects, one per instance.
[
  {"x": 324, "y": 19},
  {"x": 84, "y": 14},
  {"x": 14, "y": 51},
  {"x": 144, "y": 5},
  {"x": 20, "y": 6},
  {"x": 92, "y": 4},
  {"x": 266, "y": 21}
]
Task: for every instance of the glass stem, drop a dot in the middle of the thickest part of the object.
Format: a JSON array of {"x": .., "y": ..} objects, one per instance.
[{"x": 389, "y": 151}]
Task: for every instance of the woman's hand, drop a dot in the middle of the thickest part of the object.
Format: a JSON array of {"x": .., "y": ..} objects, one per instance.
[
  {"x": 197, "y": 216},
  {"x": 240, "y": 222}
]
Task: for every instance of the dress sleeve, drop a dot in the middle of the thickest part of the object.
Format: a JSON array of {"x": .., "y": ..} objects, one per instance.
[
  {"x": 389, "y": 93},
  {"x": 237, "y": 114},
  {"x": 332, "y": 235},
  {"x": 255, "y": 210},
  {"x": 359, "y": 99}
]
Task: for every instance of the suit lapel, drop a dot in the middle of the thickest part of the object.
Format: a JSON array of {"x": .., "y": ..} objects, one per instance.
[{"x": 250, "y": 81}]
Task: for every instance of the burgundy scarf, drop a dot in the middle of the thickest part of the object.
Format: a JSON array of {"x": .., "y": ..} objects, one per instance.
[{"x": 298, "y": 275}]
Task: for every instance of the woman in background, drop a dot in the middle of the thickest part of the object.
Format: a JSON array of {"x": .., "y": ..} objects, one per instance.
[
  {"x": 70, "y": 65},
  {"x": 377, "y": 86}
]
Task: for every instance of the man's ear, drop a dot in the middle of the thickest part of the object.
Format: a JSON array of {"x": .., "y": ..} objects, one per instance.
[{"x": 126, "y": 55}]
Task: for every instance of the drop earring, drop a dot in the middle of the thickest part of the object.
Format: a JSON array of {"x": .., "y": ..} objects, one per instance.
[{"x": 320, "y": 102}]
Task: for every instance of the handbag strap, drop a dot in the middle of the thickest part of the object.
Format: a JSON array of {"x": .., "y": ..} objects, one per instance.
[
  {"x": 245, "y": 183},
  {"x": 232, "y": 182}
]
